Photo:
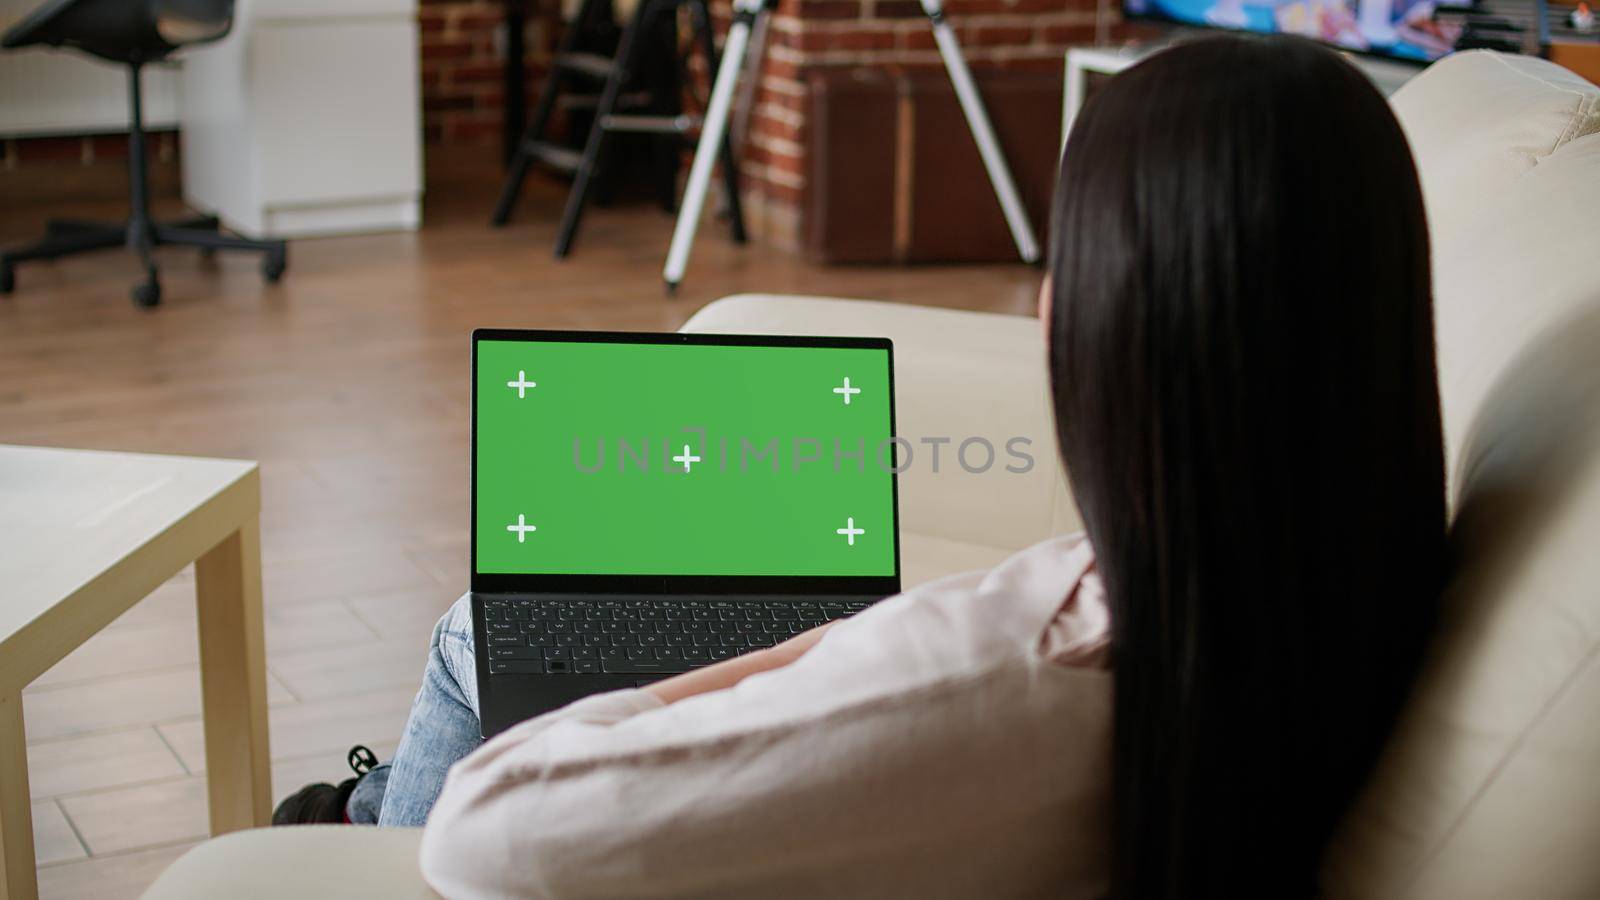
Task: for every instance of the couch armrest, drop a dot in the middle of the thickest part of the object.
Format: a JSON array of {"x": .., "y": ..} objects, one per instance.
[
  {"x": 299, "y": 862},
  {"x": 958, "y": 375}
]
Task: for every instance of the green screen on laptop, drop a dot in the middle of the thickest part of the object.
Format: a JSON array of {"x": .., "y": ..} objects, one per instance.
[{"x": 597, "y": 458}]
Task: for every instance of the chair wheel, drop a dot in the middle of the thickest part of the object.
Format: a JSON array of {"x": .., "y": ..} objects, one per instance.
[
  {"x": 274, "y": 263},
  {"x": 147, "y": 293},
  {"x": 8, "y": 278}
]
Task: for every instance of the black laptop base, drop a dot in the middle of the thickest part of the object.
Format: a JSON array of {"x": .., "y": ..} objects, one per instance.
[
  {"x": 538, "y": 652},
  {"x": 505, "y": 700}
]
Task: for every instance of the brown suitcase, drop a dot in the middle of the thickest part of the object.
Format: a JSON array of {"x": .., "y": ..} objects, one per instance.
[{"x": 896, "y": 177}]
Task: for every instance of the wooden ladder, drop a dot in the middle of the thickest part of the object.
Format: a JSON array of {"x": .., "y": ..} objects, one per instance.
[{"x": 615, "y": 112}]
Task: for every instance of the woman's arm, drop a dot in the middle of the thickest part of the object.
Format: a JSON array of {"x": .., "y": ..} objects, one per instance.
[
  {"x": 648, "y": 792},
  {"x": 730, "y": 672}
]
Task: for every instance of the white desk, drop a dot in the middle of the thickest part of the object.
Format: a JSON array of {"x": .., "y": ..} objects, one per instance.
[{"x": 85, "y": 536}]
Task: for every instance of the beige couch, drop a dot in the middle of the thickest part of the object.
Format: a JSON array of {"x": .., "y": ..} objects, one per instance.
[{"x": 1492, "y": 787}]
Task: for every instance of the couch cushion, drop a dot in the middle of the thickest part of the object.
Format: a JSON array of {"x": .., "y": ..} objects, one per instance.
[
  {"x": 1478, "y": 119},
  {"x": 1489, "y": 787},
  {"x": 1509, "y": 154},
  {"x": 1526, "y": 262},
  {"x": 925, "y": 557},
  {"x": 299, "y": 862}
]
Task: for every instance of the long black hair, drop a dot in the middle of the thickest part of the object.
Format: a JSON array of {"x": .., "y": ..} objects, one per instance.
[{"x": 1242, "y": 361}]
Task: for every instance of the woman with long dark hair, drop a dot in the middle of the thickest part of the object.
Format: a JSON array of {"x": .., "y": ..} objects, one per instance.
[
  {"x": 1179, "y": 703},
  {"x": 1242, "y": 359}
]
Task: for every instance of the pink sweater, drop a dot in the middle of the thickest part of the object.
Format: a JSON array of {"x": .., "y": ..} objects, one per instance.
[{"x": 953, "y": 741}]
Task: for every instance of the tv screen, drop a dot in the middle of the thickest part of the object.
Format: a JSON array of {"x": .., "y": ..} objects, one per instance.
[{"x": 1403, "y": 29}]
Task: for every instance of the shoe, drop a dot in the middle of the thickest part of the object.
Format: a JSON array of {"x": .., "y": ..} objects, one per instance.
[{"x": 323, "y": 803}]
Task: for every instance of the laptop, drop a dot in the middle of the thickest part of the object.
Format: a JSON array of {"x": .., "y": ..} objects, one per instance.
[{"x": 645, "y": 504}]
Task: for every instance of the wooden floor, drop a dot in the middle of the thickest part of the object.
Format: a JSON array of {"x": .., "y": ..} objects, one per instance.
[{"x": 348, "y": 381}]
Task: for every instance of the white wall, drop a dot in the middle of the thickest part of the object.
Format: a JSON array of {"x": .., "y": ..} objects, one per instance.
[{"x": 48, "y": 91}]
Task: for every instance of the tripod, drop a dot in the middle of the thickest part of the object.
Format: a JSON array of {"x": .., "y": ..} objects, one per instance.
[{"x": 747, "y": 15}]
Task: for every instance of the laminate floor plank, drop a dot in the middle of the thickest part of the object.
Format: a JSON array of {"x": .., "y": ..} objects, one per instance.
[
  {"x": 319, "y": 726},
  {"x": 106, "y": 704},
  {"x": 135, "y": 818},
  {"x": 97, "y": 761},
  {"x": 120, "y": 877},
  {"x": 54, "y": 841}
]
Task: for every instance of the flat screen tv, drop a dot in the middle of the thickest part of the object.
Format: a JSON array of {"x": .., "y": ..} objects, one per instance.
[{"x": 1409, "y": 30}]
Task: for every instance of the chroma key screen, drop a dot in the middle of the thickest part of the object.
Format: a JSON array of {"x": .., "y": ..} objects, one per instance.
[{"x": 683, "y": 459}]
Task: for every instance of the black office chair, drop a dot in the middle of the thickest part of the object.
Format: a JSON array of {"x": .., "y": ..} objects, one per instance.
[{"x": 132, "y": 32}]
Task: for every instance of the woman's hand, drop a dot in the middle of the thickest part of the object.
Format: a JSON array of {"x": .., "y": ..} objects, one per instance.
[{"x": 730, "y": 672}]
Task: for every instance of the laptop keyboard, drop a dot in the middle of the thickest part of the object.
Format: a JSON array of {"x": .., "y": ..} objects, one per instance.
[{"x": 639, "y": 637}]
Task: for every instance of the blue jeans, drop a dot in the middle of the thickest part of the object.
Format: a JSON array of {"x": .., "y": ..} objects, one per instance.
[{"x": 442, "y": 728}]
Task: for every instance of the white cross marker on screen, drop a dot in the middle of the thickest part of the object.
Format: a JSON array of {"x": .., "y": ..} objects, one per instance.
[
  {"x": 686, "y": 459},
  {"x": 522, "y": 384},
  {"x": 847, "y": 390},
  {"x": 849, "y": 531},
  {"x": 522, "y": 528}
]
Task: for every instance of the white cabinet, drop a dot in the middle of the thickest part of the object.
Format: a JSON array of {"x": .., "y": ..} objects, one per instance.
[{"x": 306, "y": 120}]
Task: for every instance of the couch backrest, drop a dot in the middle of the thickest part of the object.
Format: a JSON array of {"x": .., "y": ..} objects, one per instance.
[
  {"x": 1509, "y": 234},
  {"x": 958, "y": 375},
  {"x": 1490, "y": 787}
]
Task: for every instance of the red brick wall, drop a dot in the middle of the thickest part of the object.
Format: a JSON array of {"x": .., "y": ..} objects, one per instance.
[
  {"x": 463, "y": 53},
  {"x": 85, "y": 150},
  {"x": 463, "y": 45},
  {"x": 463, "y": 50},
  {"x": 806, "y": 35}
]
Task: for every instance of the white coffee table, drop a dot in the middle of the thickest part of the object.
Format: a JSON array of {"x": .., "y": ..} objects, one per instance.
[{"x": 83, "y": 536}]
